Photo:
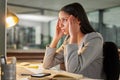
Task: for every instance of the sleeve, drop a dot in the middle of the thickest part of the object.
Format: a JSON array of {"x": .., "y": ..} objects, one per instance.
[
  {"x": 53, "y": 57},
  {"x": 76, "y": 62}
]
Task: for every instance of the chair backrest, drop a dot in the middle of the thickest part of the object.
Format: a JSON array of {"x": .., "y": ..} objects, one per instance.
[{"x": 111, "y": 63}]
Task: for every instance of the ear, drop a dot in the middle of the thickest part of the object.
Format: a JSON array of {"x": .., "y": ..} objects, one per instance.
[{"x": 78, "y": 20}]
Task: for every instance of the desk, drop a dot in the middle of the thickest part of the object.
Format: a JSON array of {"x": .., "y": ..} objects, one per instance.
[
  {"x": 36, "y": 67},
  {"x": 30, "y": 54},
  {"x": 27, "y": 68}
]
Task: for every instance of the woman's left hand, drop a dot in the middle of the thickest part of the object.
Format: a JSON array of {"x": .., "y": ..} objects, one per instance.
[{"x": 74, "y": 26}]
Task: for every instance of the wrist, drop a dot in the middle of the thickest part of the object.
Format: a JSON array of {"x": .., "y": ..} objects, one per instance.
[{"x": 54, "y": 43}]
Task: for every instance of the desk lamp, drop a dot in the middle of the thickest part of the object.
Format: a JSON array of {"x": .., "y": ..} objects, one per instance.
[{"x": 11, "y": 19}]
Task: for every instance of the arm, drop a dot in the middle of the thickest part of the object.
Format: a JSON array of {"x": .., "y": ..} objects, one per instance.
[
  {"x": 52, "y": 57},
  {"x": 75, "y": 62}
]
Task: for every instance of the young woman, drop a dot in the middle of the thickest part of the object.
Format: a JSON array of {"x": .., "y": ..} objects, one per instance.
[{"x": 82, "y": 49}]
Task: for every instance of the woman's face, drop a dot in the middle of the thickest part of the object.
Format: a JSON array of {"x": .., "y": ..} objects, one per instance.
[{"x": 63, "y": 18}]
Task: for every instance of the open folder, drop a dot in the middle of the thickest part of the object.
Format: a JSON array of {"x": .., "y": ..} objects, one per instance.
[{"x": 58, "y": 75}]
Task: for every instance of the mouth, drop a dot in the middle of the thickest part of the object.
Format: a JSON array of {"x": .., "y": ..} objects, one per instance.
[{"x": 62, "y": 30}]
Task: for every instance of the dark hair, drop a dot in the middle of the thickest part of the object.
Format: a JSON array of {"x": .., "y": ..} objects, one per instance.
[
  {"x": 111, "y": 64},
  {"x": 77, "y": 11}
]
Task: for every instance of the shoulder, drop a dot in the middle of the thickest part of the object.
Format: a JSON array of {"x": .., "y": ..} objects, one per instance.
[{"x": 93, "y": 36}]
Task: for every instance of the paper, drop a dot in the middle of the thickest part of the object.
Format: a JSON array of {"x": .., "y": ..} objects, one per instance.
[{"x": 59, "y": 75}]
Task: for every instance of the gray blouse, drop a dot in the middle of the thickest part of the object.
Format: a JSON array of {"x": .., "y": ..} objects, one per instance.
[{"x": 86, "y": 58}]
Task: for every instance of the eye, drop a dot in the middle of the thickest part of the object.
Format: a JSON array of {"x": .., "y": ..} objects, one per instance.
[{"x": 64, "y": 20}]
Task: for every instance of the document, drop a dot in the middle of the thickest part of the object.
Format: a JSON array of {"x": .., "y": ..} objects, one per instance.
[{"x": 59, "y": 75}]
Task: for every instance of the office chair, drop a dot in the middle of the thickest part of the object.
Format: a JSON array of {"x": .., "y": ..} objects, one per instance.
[{"x": 111, "y": 63}]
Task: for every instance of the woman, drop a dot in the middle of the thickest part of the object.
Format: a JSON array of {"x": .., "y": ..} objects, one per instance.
[{"x": 82, "y": 49}]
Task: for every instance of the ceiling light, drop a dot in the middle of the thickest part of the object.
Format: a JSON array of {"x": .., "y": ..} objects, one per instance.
[{"x": 39, "y": 18}]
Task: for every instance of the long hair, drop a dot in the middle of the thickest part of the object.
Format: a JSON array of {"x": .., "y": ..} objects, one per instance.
[{"x": 77, "y": 11}]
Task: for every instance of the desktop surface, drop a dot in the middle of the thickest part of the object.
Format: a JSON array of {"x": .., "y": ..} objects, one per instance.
[{"x": 24, "y": 68}]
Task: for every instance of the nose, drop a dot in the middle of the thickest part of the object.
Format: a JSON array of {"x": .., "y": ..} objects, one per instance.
[{"x": 61, "y": 25}]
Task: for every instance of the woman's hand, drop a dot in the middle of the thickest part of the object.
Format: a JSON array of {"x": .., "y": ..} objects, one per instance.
[
  {"x": 74, "y": 28},
  {"x": 58, "y": 35},
  {"x": 58, "y": 32}
]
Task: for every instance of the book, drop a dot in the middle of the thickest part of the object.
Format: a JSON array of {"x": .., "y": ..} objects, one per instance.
[{"x": 59, "y": 75}]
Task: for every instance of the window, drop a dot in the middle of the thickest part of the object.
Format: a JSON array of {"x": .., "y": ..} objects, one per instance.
[
  {"x": 111, "y": 21},
  {"x": 94, "y": 19}
]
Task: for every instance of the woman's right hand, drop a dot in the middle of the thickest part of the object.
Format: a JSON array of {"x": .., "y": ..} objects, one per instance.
[
  {"x": 58, "y": 32},
  {"x": 57, "y": 36}
]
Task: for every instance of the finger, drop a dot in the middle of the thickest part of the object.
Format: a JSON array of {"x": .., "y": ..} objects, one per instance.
[
  {"x": 71, "y": 20},
  {"x": 57, "y": 26},
  {"x": 75, "y": 20},
  {"x": 58, "y": 21}
]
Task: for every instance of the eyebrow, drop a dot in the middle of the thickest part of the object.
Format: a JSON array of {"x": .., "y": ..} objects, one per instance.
[{"x": 65, "y": 18}]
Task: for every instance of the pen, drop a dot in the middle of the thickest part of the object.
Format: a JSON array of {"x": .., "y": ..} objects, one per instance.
[{"x": 25, "y": 74}]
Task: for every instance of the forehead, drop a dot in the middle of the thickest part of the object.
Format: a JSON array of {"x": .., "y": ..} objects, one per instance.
[{"x": 63, "y": 14}]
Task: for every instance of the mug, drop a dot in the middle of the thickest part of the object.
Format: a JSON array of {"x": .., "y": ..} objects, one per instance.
[{"x": 8, "y": 70}]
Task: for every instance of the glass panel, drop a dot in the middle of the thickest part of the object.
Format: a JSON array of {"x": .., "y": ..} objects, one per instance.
[
  {"x": 27, "y": 37},
  {"x": 111, "y": 20},
  {"x": 94, "y": 19}
]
